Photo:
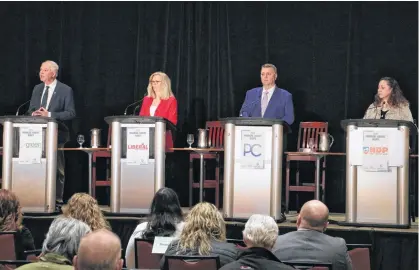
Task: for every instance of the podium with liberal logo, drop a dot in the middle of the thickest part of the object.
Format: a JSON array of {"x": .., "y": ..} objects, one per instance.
[
  {"x": 30, "y": 161},
  {"x": 377, "y": 172},
  {"x": 137, "y": 162},
  {"x": 253, "y": 149}
]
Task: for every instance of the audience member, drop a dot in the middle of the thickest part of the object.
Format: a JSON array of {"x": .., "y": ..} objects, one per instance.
[
  {"x": 84, "y": 207},
  {"x": 204, "y": 233},
  {"x": 165, "y": 219},
  {"x": 99, "y": 250},
  {"x": 309, "y": 243},
  {"x": 259, "y": 235},
  {"x": 60, "y": 245},
  {"x": 11, "y": 220}
]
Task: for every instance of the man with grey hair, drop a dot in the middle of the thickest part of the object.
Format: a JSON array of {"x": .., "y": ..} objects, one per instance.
[
  {"x": 100, "y": 250},
  {"x": 309, "y": 243},
  {"x": 61, "y": 244},
  {"x": 54, "y": 99},
  {"x": 259, "y": 235}
]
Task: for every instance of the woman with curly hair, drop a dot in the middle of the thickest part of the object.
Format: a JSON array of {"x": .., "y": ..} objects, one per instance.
[
  {"x": 389, "y": 102},
  {"x": 204, "y": 233},
  {"x": 84, "y": 207},
  {"x": 11, "y": 220},
  {"x": 165, "y": 219}
]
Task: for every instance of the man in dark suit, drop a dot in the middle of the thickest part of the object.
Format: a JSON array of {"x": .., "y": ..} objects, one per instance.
[
  {"x": 51, "y": 98},
  {"x": 309, "y": 243},
  {"x": 268, "y": 101}
]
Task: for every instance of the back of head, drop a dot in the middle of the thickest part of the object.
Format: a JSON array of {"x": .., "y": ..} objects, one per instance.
[
  {"x": 64, "y": 236},
  {"x": 260, "y": 231},
  {"x": 313, "y": 215},
  {"x": 204, "y": 223},
  {"x": 84, "y": 207},
  {"x": 165, "y": 214},
  {"x": 99, "y": 250},
  {"x": 10, "y": 211}
]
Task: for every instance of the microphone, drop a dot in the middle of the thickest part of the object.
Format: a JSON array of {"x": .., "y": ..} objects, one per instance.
[
  {"x": 132, "y": 104},
  {"x": 23, "y": 104},
  {"x": 248, "y": 105}
]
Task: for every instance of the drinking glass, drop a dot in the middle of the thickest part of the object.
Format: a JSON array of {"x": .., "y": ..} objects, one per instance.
[
  {"x": 80, "y": 140},
  {"x": 311, "y": 144},
  {"x": 190, "y": 139}
]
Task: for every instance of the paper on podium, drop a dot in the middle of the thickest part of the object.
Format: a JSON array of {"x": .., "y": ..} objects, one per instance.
[
  {"x": 30, "y": 145},
  {"x": 161, "y": 244},
  {"x": 375, "y": 151},
  {"x": 138, "y": 149}
]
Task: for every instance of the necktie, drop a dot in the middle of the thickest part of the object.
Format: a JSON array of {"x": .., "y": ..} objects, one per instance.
[
  {"x": 264, "y": 102},
  {"x": 45, "y": 98}
]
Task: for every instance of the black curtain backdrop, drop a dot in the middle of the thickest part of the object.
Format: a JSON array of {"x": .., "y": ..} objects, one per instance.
[{"x": 330, "y": 56}]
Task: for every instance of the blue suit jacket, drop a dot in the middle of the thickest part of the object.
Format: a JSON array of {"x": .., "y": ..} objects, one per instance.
[
  {"x": 61, "y": 104},
  {"x": 280, "y": 105}
]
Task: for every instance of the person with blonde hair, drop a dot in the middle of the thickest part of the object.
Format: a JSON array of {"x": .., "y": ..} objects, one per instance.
[
  {"x": 11, "y": 220},
  {"x": 204, "y": 233},
  {"x": 84, "y": 207},
  {"x": 160, "y": 101}
]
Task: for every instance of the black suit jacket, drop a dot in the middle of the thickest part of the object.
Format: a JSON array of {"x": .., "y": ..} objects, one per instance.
[
  {"x": 313, "y": 246},
  {"x": 61, "y": 104}
]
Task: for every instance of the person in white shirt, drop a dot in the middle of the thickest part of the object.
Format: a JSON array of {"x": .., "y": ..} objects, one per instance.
[{"x": 165, "y": 219}]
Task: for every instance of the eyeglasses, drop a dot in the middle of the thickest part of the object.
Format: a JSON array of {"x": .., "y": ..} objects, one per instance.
[{"x": 155, "y": 82}]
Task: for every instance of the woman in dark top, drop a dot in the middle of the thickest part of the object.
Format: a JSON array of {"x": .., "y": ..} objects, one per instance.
[{"x": 11, "y": 220}]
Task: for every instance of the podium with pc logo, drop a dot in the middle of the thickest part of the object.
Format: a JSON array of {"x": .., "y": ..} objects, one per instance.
[
  {"x": 377, "y": 172},
  {"x": 253, "y": 149}
]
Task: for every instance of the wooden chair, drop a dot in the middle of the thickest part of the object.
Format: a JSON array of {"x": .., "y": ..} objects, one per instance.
[
  {"x": 144, "y": 259},
  {"x": 360, "y": 256},
  {"x": 178, "y": 262},
  {"x": 307, "y": 131},
  {"x": 101, "y": 154},
  {"x": 215, "y": 140},
  {"x": 7, "y": 245}
]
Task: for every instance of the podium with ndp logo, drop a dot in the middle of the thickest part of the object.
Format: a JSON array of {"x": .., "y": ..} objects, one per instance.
[
  {"x": 253, "y": 149},
  {"x": 30, "y": 161},
  {"x": 377, "y": 172},
  {"x": 137, "y": 161}
]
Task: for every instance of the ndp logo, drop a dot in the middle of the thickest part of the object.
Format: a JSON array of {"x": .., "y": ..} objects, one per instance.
[
  {"x": 377, "y": 150},
  {"x": 252, "y": 149}
]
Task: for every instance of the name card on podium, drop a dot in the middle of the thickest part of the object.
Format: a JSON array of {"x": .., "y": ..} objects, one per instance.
[
  {"x": 252, "y": 149},
  {"x": 30, "y": 145},
  {"x": 138, "y": 148}
]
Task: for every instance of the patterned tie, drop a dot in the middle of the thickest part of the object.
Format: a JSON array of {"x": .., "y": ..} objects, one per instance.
[
  {"x": 45, "y": 98},
  {"x": 264, "y": 102}
]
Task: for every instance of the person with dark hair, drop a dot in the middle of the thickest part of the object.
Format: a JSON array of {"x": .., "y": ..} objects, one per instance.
[
  {"x": 389, "y": 102},
  {"x": 11, "y": 220},
  {"x": 165, "y": 219},
  {"x": 309, "y": 243}
]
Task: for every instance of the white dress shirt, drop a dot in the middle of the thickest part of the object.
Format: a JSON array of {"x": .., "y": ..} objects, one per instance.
[
  {"x": 270, "y": 93},
  {"x": 153, "y": 109},
  {"x": 50, "y": 92}
]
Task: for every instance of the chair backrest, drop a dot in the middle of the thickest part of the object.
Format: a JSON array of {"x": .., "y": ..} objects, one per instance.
[
  {"x": 360, "y": 256},
  {"x": 32, "y": 255},
  {"x": 310, "y": 130},
  {"x": 309, "y": 265},
  {"x": 178, "y": 262},
  {"x": 12, "y": 264},
  {"x": 215, "y": 134},
  {"x": 144, "y": 259},
  {"x": 7, "y": 245},
  {"x": 238, "y": 243}
]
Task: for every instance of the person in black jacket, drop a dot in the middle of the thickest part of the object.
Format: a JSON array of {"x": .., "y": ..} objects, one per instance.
[
  {"x": 259, "y": 235},
  {"x": 11, "y": 220}
]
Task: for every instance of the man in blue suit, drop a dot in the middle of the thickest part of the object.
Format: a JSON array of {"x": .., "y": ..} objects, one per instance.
[
  {"x": 52, "y": 98},
  {"x": 268, "y": 101}
]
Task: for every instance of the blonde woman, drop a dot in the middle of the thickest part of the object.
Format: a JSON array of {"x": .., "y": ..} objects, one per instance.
[
  {"x": 160, "y": 101},
  {"x": 204, "y": 233},
  {"x": 84, "y": 207}
]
